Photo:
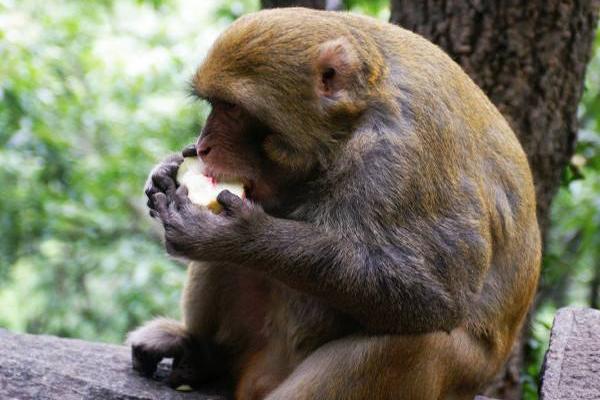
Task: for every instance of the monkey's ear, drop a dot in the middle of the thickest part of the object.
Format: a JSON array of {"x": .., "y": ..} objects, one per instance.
[{"x": 337, "y": 65}]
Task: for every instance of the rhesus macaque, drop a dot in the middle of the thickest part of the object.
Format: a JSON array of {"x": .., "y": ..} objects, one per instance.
[{"x": 388, "y": 246}]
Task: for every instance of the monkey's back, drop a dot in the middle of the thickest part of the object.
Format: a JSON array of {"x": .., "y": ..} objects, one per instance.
[
  {"x": 478, "y": 162},
  {"x": 446, "y": 162},
  {"x": 466, "y": 163}
]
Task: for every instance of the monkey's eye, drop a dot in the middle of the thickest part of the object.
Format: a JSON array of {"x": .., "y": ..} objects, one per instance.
[
  {"x": 226, "y": 105},
  {"x": 230, "y": 108}
]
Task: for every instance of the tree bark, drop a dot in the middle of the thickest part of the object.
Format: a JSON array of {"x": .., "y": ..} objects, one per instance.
[
  {"x": 530, "y": 59},
  {"x": 320, "y": 4}
]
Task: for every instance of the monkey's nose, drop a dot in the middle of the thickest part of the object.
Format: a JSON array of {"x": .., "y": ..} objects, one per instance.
[{"x": 203, "y": 150}]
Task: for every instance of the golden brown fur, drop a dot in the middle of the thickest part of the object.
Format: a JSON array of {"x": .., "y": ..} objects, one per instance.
[{"x": 404, "y": 264}]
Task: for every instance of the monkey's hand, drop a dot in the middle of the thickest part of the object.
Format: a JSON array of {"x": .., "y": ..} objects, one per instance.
[
  {"x": 187, "y": 226},
  {"x": 162, "y": 176},
  {"x": 162, "y": 180},
  {"x": 196, "y": 233}
]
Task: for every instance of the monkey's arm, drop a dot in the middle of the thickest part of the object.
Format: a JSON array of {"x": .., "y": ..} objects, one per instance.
[{"x": 388, "y": 289}]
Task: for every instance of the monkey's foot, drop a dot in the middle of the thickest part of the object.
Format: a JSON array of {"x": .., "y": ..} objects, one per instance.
[
  {"x": 155, "y": 340},
  {"x": 195, "y": 361},
  {"x": 143, "y": 361}
]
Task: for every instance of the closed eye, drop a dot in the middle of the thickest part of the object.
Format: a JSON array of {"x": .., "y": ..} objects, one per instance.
[{"x": 228, "y": 106}]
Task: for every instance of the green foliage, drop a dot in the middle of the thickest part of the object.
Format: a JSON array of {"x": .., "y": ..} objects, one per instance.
[
  {"x": 229, "y": 10},
  {"x": 375, "y": 8},
  {"x": 92, "y": 94},
  {"x": 536, "y": 349}
]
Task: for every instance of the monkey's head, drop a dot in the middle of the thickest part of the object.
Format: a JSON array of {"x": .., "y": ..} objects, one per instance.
[{"x": 287, "y": 86}]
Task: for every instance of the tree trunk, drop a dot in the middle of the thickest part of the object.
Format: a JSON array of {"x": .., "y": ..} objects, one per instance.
[
  {"x": 320, "y": 4},
  {"x": 530, "y": 59}
]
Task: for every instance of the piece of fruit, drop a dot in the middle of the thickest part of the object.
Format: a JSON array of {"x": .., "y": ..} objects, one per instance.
[
  {"x": 202, "y": 189},
  {"x": 184, "y": 388}
]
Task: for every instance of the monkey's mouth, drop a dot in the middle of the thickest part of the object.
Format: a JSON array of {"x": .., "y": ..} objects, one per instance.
[{"x": 246, "y": 183}]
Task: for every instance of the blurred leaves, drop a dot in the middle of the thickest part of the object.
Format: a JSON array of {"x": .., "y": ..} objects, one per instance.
[
  {"x": 92, "y": 94},
  {"x": 230, "y": 10},
  {"x": 375, "y": 8}
]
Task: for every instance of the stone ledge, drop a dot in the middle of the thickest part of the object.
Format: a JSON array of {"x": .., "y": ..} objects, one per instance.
[
  {"x": 571, "y": 369},
  {"x": 50, "y": 368}
]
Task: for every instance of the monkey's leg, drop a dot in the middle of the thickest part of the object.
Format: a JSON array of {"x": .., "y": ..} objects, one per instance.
[
  {"x": 195, "y": 357},
  {"x": 420, "y": 367},
  {"x": 223, "y": 310},
  {"x": 224, "y": 306}
]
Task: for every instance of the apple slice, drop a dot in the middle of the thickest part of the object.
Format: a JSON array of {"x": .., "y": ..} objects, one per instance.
[{"x": 202, "y": 189}]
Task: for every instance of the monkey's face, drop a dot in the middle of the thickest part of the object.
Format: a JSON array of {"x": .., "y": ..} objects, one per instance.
[
  {"x": 283, "y": 102},
  {"x": 231, "y": 146}
]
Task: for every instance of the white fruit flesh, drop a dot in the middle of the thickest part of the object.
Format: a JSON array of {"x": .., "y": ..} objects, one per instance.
[{"x": 203, "y": 190}]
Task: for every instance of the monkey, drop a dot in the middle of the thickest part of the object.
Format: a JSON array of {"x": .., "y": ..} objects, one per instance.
[{"x": 387, "y": 245}]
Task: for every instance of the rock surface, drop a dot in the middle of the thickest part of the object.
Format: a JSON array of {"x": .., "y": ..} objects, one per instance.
[
  {"x": 572, "y": 365},
  {"x": 49, "y": 368}
]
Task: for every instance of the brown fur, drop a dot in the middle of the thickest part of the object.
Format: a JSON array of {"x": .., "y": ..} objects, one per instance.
[{"x": 398, "y": 250}]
